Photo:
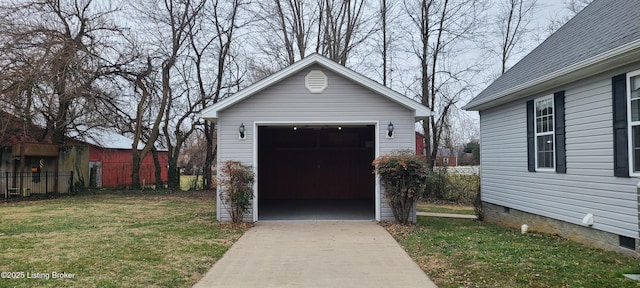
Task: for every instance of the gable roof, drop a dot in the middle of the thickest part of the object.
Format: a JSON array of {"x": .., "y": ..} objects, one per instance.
[
  {"x": 603, "y": 36},
  {"x": 421, "y": 112}
]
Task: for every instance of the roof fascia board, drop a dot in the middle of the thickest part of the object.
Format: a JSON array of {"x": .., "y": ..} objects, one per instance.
[
  {"x": 421, "y": 112},
  {"x": 606, "y": 61}
]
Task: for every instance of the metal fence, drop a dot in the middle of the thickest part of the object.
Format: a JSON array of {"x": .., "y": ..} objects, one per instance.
[{"x": 35, "y": 183}]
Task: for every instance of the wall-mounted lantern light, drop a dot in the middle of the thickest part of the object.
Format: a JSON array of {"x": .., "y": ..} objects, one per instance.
[
  {"x": 241, "y": 130},
  {"x": 390, "y": 130}
]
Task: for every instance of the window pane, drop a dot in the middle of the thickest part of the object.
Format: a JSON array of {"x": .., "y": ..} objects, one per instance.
[
  {"x": 635, "y": 110},
  {"x": 636, "y": 159},
  {"x": 548, "y": 143},
  {"x": 636, "y": 148},
  {"x": 635, "y": 87},
  {"x": 545, "y": 151},
  {"x": 544, "y": 116}
]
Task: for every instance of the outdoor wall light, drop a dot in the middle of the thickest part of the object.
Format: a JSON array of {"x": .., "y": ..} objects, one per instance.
[
  {"x": 295, "y": 128},
  {"x": 241, "y": 130},
  {"x": 390, "y": 130}
]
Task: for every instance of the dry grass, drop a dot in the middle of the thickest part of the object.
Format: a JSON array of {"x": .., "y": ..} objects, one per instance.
[
  {"x": 113, "y": 240},
  {"x": 452, "y": 208}
]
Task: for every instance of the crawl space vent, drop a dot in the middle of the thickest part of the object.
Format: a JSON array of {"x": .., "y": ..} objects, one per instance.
[{"x": 315, "y": 81}]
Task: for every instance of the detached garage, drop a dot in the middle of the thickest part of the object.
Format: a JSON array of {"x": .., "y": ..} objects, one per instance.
[{"x": 311, "y": 132}]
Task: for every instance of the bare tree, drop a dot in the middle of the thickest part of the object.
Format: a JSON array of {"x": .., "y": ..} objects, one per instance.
[
  {"x": 513, "y": 19},
  {"x": 343, "y": 27},
  {"x": 191, "y": 157},
  {"x": 383, "y": 18},
  {"x": 173, "y": 17},
  {"x": 287, "y": 29},
  {"x": 58, "y": 58},
  {"x": 211, "y": 34},
  {"x": 295, "y": 27},
  {"x": 572, "y": 8},
  {"x": 145, "y": 86},
  {"x": 575, "y": 6},
  {"x": 440, "y": 26}
]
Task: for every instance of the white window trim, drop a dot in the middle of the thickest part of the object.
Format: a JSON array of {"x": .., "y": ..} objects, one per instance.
[
  {"x": 630, "y": 123},
  {"x": 552, "y": 133}
]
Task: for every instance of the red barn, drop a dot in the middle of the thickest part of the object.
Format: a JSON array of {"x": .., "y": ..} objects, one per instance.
[
  {"x": 419, "y": 143},
  {"x": 110, "y": 162}
]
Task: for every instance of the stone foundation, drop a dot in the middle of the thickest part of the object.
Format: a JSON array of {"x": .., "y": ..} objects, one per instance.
[{"x": 496, "y": 214}]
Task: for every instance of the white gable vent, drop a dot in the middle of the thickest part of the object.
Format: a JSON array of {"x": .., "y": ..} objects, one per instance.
[{"x": 315, "y": 81}]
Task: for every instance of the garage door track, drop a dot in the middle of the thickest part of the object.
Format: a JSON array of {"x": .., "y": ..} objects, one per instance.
[{"x": 316, "y": 254}]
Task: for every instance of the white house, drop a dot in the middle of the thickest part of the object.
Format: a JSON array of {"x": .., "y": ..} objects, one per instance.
[
  {"x": 311, "y": 132},
  {"x": 560, "y": 131}
]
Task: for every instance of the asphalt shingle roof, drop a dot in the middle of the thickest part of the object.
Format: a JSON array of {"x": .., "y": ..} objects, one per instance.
[{"x": 598, "y": 28}]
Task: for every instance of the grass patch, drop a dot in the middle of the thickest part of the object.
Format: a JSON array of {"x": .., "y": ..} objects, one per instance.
[
  {"x": 468, "y": 253},
  {"x": 193, "y": 182},
  {"x": 190, "y": 182},
  {"x": 116, "y": 239},
  {"x": 444, "y": 208}
]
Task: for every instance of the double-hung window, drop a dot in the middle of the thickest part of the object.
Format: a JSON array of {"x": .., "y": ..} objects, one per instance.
[
  {"x": 544, "y": 135},
  {"x": 633, "y": 104}
]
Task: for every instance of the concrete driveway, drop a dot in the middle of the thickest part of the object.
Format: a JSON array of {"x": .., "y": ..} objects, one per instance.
[{"x": 316, "y": 254}]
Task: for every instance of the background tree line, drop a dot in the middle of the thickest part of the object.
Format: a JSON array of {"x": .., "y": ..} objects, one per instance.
[{"x": 147, "y": 68}]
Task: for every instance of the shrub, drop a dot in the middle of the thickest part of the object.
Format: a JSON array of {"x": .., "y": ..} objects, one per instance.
[
  {"x": 437, "y": 188},
  {"x": 237, "y": 189},
  {"x": 462, "y": 188},
  {"x": 454, "y": 187},
  {"x": 404, "y": 176}
]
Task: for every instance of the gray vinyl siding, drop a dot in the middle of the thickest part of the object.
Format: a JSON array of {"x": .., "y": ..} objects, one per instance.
[
  {"x": 588, "y": 186},
  {"x": 289, "y": 101}
]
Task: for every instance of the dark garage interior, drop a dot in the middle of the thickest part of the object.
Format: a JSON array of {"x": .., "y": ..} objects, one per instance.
[{"x": 316, "y": 172}]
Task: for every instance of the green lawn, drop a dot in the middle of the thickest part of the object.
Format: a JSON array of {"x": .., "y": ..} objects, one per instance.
[
  {"x": 468, "y": 253},
  {"x": 124, "y": 239},
  {"x": 444, "y": 208}
]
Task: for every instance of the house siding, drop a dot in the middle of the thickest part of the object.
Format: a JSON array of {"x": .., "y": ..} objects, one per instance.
[
  {"x": 289, "y": 102},
  {"x": 588, "y": 186}
]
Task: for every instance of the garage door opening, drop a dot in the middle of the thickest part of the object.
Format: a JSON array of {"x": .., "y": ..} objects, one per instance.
[{"x": 316, "y": 173}]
